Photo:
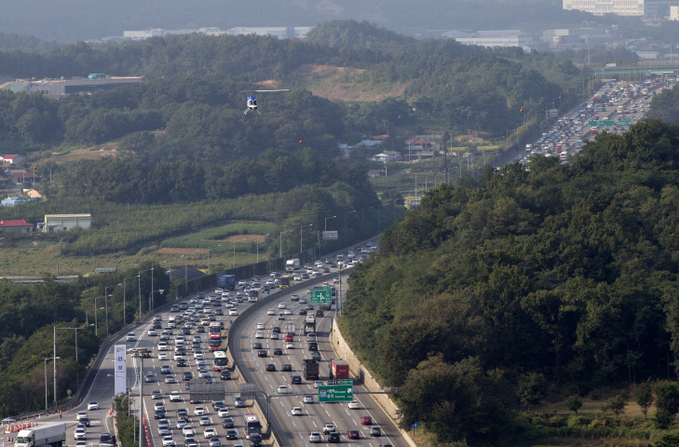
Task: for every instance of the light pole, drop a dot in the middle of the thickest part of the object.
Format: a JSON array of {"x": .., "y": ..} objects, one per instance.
[
  {"x": 209, "y": 270},
  {"x": 106, "y": 301},
  {"x": 75, "y": 330},
  {"x": 125, "y": 300},
  {"x": 301, "y": 241},
  {"x": 96, "y": 323},
  {"x": 139, "y": 276},
  {"x": 48, "y": 358},
  {"x": 325, "y": 229},
  {"x": 234, "y": 252}
]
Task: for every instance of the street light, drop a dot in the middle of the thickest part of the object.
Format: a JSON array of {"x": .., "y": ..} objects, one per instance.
[
  {"x": 209, "y": 270},
  {"x": 75, "y": 329},
  {"x": 125, "y": 299},
  {"x": 300, "y": 237},
  {"x": 96, "y": 323},
  {"x": 106, "y": 301},
  {"x": 139, "y": 276},
  {"x": 48, "y": 358},
  {"x": 325, "y": 227},
  {"x": 234, "y": 252},
  {"x": 258, "y": 248}
]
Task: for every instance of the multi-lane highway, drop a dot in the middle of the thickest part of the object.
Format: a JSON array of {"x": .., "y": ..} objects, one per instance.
[{"x": 164, "y": 387}]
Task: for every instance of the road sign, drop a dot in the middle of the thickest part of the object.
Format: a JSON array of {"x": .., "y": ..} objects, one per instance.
[
  {"x": 336, "y": 393},
  {"x": 602, "y": 123},
  {"x": 323, "y": 296},
  {"x": 624, "y": 123},
  {"x": 329, "y": 235},
  {"x": 341, "y": 382}
]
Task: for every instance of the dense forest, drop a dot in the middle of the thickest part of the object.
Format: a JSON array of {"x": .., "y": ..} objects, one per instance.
[{"x": 566, "y": 273}]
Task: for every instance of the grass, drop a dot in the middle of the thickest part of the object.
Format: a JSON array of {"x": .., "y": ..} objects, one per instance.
[{"x": 210, "y": 236}]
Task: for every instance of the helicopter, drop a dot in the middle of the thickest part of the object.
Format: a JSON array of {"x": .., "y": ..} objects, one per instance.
[{"x": 252, "y": 98}]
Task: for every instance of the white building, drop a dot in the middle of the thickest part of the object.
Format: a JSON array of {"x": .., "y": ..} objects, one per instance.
[
  {"x": 647, "y": 8},
  {"x": 65, "y": 222},
  {"x": 12, "y": 159},
  {"x": 282, "y": 32},
  {"x": 494, "y": 39},
  {"x": 144, "y": 34},
  {"x": 674, "y": 12}
]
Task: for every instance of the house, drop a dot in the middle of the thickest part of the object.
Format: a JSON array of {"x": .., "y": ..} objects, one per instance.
[
  {"x": 421, "y": 143},
  {"x": 374, "y": 173},
  {"x": 12, "y": 201},
  {"x": 33, "y": 194},
  {"x": 20, "y": 177},
  {"x": 387, "y": 156},
  {"x": 16, "y": 224},
  {"x": 13, "y": 159},
  {"x": 65, "y": 222}
]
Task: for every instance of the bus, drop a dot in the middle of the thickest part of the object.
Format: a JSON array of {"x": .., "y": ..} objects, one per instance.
[
  {"x": 286, "y": 281},
  {"x": 252, "y": 425},
  {"x": 220, "y": 360}
]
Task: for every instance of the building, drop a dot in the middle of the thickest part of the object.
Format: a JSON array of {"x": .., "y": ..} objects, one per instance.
[
  {"x": 648, "y": 55},
  {"x": 495, "y": 39},
  {"x": 577, "y": 37},
  {"x": 144, "y": 34},
  {"x": 16, "y": 224},
  {"x": 387, "y": 156},
  {"x": 21, "y": 177},
  {"x": 281, "y": 32},
  {"x": 65, "y": 222},
  {"x": 13, "y": 201},
  {"x": 59, "y": 87},
  {"x": 674, "y": 12},
  {"x": 33, "y": 194},
  {"x": 650, "y": 9},
  {"x": 12, "y": 159}
]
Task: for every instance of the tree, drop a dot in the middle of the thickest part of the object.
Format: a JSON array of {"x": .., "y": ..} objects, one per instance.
[
  {"x": 616, "y": 405},
  {"x": 531, "y": 389},
  {"x": 666, "y": 402},
  {"x": 643, "y": 396},
  {"x": 574, "y": 403}
]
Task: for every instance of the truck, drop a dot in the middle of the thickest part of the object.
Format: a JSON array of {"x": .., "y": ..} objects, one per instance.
[
  {"x": 339, "y": 369},
  {"x": 291, "y": 265},
  {"x": 49, "y": 434},
  {"x": 309, "y": 327},
  {"x": 529, "y": 147},
  {"x": 227, "y": 282},
  {"x": 310, "y": 369},
  {"x": 286, "y": 281},
  {"x": 310, "y": 319},
  {"x": 290, "y": 329}
]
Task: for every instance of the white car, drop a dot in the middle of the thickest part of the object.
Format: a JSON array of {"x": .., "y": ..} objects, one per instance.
[
  {"x": 259, "y": 334},
  {"x": 271, "y": 312},
  {"x": 152, "y": 333},
  {"x": 318, "y": 383},
  {"x": 287, "y": 312},
  {"x": 223, "y": 413},
  {"x": 289, "y": 345},
  {"x": 162, "y": 346},
  {"x": 296, "y": 411},
  {"x": 314, "y": 436},
  {"x": 233, "y": 312},
  {"x": 79, "y": 434},
  {"x": 188, "y": 430},
  {"x": 209, "y": 433},
  {"x": 162, "y": 356},
  {"x": 199, "y": 411},
  {"x": 274, "y": 336},
  {"x": 175, "y": 396},
  {"x": 281, "y": 305},
  {"x": 92, "y": 406},
  {"x": 283, "y": 389},
  {"x": 131, "y": 337},
  {"x": 354, "y": 405},
  {"x": 168, "y": 441},
  {"x": 81, "y": 415}
]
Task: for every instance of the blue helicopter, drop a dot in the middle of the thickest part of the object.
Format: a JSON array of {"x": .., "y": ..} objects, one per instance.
[{"x": 252, "y": 98}]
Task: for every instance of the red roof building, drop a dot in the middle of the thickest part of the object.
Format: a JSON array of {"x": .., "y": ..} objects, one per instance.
[
  {"x": 16, "y": 224},
  {"x": 380, "y": 137},
  {"x": 20, "y": 177}
]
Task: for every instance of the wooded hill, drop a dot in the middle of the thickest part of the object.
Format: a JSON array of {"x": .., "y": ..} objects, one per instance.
[{"x": 563, "y": 272}]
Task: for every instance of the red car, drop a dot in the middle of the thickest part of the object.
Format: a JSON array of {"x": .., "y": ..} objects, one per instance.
[
  {"x": 289, "y": 337},
  {"x": 354, "y": 434},
  {"x": 366, "y": 420}
]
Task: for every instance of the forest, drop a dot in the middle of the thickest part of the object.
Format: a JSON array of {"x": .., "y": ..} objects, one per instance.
[{"x": 552, "y": 274}]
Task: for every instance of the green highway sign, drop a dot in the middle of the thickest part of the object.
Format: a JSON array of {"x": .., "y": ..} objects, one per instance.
[
  {"x": 602, "y": 123},
  {"x": 336, "y": 393},
  {"x": 624, "y": 123},
  {"x": 323, "y": 296}
]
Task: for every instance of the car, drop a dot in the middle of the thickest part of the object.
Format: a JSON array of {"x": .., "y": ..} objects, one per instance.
[
  {"x": 314, "y": 436},
  {"x": 205, "y": 420},
  {"x": 256, "y": 345},
  {"x": 159, "y": 414},
  {"x": 231, "y": 434},
  {"x": 276, "y": 329},
  {"x": 261, "y": 353},
  {"x": 223, "y": 412},
  {"x": 217, "y": 404},
  {"x": 199, "y": 411},
  {"x": 354, "y": 405},
  {"x": 302, "y": 311},
  {"x": 274, "y": 336},
  {"x": 302, "y": 301},
  {"x": 175, "y": 396},
  {"x": 270, "y": 367},
  {"x": 152, "y": 333},
  {"x": 156, "y": 394},
  {"x": 131, "y": 337},
  {"x": 215, "y": 442},
  {"x": 283, "y": 389},
  {"x": 296, "y": 411},
  {"x": 375, "y": 431},
  {"x": 225, "y": 375},
  {"x": 328, "y": 428},
  {"x": 181, "y": 423},
  {"x": 239, "y": 402},
  {"x": 162, "y": 356},
  {"x": 105, "y": 437},
  {"x": 318, "y": 383},
  {"x": 181, "y": 362},
  {"x": 188, "y": 375},
  {"x": 287, "y": 312},
  {"x": 233, "y": 312},
  {"x": 309, "y": 307},
  {"x": 333, "y": 437},
  {"x": 170, "y": 379},
  {"x": 366, "y": 420},
  {"x": 259, "y": 334},
  {"x": 149, "y": 378},
  {"x": 289, "y": 345},
  {"x": 203, "y": 373},
  {"x": 271, "y": 312},
  {"x": 165, "y": 369},
  {"x": 277, "y": 351},
  {"x": 286, "y": 367},
  {"x": 308, "y": 399},
  {"x": 85, "y": 421},
  {"x": 79, "y": 434},
  {"x": 188, "y": 430},
  {"x": 228, "y": 423},
  {"x": 354, "y": 434},
  {"x": 159, "y": 406},
  {"x": 296, "y": 380},
  {"x": 92, "y": 406},
  {"x": 294, "y": 297},
  {"x": 81, "y": 444},
  {"x": 162, "y": 346},
  {"x": 200, "y": 329},
  {"x": 281, "y": 316},
  {"x": 261, "y": 326}
]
